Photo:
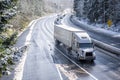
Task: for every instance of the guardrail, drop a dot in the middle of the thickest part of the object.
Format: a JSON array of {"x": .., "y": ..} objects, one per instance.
[
  {"x": 100, "y": 44},
  {"x": 106, "y": 47}
]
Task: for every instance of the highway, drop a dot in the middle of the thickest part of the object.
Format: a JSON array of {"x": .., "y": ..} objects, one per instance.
[{"x": 45, "y": 61}]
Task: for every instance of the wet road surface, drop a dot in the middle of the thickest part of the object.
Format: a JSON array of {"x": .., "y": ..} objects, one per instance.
[{"x": 43, "y": 53}]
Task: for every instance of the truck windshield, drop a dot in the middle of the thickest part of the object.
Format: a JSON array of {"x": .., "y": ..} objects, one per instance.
[{"x": 85, "y": 45}]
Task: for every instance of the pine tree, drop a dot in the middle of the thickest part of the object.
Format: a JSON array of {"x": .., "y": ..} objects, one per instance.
[
  {"x": 99, "y": 11},
  {"x": 4, "y": 5}
]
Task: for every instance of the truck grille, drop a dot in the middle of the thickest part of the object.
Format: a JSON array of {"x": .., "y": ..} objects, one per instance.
[{"x": 89, "y": 54}]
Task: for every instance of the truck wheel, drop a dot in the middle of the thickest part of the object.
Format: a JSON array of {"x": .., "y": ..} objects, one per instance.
[
  {"x": 57, "y": 42},
  {"x": 92, "y": 60},
  {"x": 78, "y": 58},
  {"x": 69, "y": 50}
]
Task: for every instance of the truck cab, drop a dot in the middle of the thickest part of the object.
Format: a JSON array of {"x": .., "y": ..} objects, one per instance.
[{"x": 83, "y": 46}]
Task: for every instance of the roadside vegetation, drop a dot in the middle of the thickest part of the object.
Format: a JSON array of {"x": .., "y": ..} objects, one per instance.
[
  {"x": 12, "y": 22},
  {"x": 8, "y": 34}
]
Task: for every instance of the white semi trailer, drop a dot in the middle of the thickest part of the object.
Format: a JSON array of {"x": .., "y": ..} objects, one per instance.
[{"x": 76, "y": 41}]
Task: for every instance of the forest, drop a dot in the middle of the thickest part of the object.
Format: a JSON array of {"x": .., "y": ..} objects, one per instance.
[{"x": 98, "y": 11}]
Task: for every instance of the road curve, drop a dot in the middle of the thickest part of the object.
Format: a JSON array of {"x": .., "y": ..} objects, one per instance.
[
  {"x": 43, "y": 52},
  {"x": 104, "y": 65}
]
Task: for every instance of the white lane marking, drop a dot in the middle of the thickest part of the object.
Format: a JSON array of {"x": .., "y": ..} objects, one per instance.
[
  {"x": 59, "y": 73},
  {"x": 20, "y": 66},
  {"x": 51, "y": 57},
  {"x": 27, "y": 42},
  {"x": 78, "y": 65},
  {"x": 19, "y": 69},
  {"x": 61, "y": 78}
]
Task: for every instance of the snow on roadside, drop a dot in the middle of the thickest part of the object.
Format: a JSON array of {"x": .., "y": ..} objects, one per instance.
[
  {"x": 103, "y": 26},
  {"x": 19, "y": 69},
  {"x": 19, "y": 55},
  {"x": 69, "y": 74}
]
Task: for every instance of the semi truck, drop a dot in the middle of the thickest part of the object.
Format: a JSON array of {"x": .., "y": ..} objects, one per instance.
[{"x": 76, "y": 41}]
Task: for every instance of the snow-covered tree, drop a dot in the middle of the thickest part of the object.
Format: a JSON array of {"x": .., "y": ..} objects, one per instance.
[{"x": 98, "y": 10}]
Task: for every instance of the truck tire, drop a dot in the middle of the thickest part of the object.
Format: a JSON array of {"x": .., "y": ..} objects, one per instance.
[
  {"x": 57, "y": 42},
  {"x": 69, "y": 50},
  {"x": 78, "y": 58},
  {"x": 92, "y": 60}
]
